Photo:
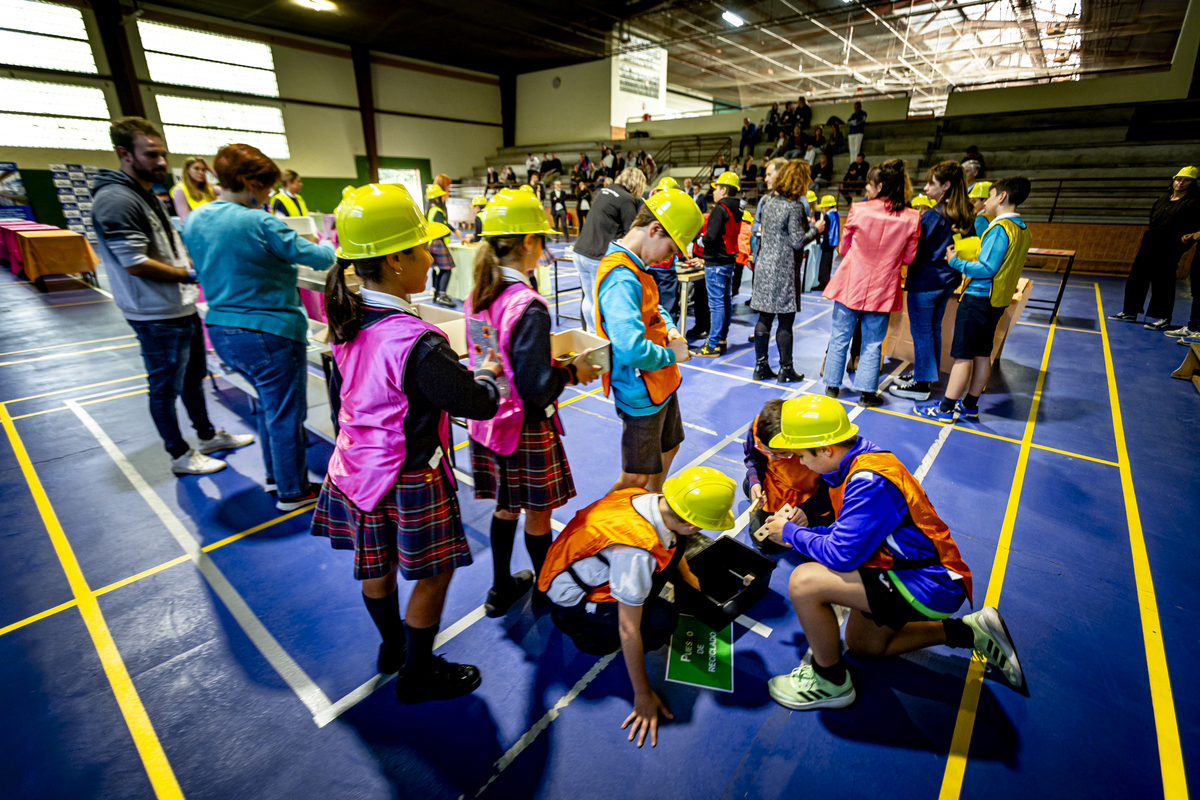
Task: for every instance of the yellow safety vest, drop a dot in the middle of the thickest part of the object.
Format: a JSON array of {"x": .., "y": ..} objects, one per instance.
[
  {"x": 1004, "y": 282},
  {"x": 294, "y": 208},
  {"x": 436, "y": 214},
  {"x": 192, "y": 204}
]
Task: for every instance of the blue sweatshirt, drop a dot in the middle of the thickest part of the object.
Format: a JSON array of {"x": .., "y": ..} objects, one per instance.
[
  {"x": 246, "y": 260},
  {"x": 874, "y": 512},
  {"x": 620, "y": 309},
  {"x": 929, "y": 271},
  {"x": 991, "y": 257}
]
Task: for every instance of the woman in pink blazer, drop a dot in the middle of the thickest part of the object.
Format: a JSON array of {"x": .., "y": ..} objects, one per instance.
[{"x": 879, "y": 238}]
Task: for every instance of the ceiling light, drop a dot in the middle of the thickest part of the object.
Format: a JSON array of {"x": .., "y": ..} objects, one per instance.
[
  {"x": 733, "y": 19},
  {"x": 317, "y": 5}
]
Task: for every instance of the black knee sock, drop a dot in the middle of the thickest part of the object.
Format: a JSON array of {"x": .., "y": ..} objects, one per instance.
[
  {"x": 971, "y": 401},
  {"x": 420, "y": 648},
  {"x": 958, "y": 633},
  {"x": 538, "y": 547},
  {"x": 834, "y": 674},
  {"x": 504, "y": 531},
  {"x": 947, "y": 404},
  {"x": 385, "y": 613}
]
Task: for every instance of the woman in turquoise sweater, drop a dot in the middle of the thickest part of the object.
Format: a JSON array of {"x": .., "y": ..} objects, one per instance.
[{"x": 246, "y": 261}]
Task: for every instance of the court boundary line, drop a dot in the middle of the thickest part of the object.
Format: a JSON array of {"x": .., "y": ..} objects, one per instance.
[
  {"x": 68, "y": 355},
  {"x": 68, "y": 344}
]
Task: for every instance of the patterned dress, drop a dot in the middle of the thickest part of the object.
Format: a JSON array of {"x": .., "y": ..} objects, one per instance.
[{"x": 783, "y": 231}]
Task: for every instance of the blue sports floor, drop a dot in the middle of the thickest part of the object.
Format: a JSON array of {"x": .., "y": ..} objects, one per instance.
[{"x": 168, "y": 637}]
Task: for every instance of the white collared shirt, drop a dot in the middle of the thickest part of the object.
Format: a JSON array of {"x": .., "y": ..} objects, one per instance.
[
  {"x": 515, "y": 275},
  {"x": 384, "y": 300}
]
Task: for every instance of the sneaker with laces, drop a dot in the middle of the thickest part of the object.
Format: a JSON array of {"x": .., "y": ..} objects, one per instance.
[
  {"x": 439, "y": 680},
  {"x": 910, "y": 389},
  {"x": 1184, "y": 332},
  {"x": 994, "y": 642},
  {"x": 1157, "y": 324},
  {"x": 804, "y": 690},
  {"x": 225, "y": 441},
  {"x": 934, "y": 412},
  {"x": 301, "y": 500},
  {"x": 964, "y": 413},
  {"x": 1123, "y": 317},
  {"x": 706, "y": 352},
  {"x": 193, "y": 462}
]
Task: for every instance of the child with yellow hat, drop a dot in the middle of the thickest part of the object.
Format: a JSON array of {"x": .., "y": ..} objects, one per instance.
[
  {"x": 443, "y": 263},
  {"x": 888, "y": 557}
]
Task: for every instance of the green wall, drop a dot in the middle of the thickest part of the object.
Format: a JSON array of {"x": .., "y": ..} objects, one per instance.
[{"x": 43, "y": 197}]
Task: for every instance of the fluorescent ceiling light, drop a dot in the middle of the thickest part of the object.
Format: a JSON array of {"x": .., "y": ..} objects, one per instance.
[
  {"x": 730, "y": 17},
  {"x": 317, "y": 5}
]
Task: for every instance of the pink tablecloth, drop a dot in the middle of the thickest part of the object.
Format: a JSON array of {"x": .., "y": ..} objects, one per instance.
[{"x": 8, "y": 240}]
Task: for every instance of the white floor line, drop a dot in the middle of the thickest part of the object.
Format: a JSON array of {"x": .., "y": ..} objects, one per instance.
[
  {"x": 702, "y": 430},
  {"x": 530, "y": 735},
  {"x": 689, "y": 365},
  {"x": 932, "y": 453},
  {"x": 762, "y": 630},
  {"x": 291, "y": 672},
  {"x": 725, "y": 361},
  {"x": 882, "y": 385}
]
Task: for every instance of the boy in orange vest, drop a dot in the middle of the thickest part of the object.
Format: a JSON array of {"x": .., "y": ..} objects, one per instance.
[
  {"x": 605, "y": 571},
  {"x": 887, "y": 556}
]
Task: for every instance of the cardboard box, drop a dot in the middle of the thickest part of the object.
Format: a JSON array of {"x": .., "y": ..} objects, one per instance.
[
  {"x": 733, "y": 577},
  {"x": 301, "y": 225},
  {"x": 452, "y": 323},
  {"x": 569, "y": 343}
]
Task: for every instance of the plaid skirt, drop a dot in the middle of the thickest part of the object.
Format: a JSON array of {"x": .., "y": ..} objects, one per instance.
[
  {"x": 416, "y": 525},
  {"x": 535, "y": 477},
  {"x": 441, "y": 255}
]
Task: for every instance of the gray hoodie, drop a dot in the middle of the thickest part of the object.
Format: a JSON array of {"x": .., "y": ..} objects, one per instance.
[{"x": 132, "y": 226}]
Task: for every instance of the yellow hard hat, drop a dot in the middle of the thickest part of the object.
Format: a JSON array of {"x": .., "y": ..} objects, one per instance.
[
  {"x": 667, "y": 183},
  {"x": 980, "y": 190},
  {"x": 678, "y": 214},
  {"x": 747, "y": 216},
  {"x": 1188, "y": 172},
  {"x": 811, "y": 197},
  {"x": 515, "y": 213},
  {"x": 921, "y": 201},
  {"x": 525, "y": 187},
  {"x": 479, "y": 200},
  {"x": 378, "y": 219},
  {"x": 967, "y": 247},
  {"x": 828, "y": 201},
  {"x": 434, "y": 190},
  {"x": 811, "y": 421},
  {"x": 702, "y": 496},
  {"x": 728, "y": 178}
]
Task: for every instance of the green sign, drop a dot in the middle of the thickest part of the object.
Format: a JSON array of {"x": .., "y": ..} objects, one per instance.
[{"x": 701, "y": 656}]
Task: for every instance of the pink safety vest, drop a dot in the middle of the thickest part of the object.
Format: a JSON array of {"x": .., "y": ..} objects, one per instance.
[
  {"x": 493, "y": 327},
  {"x": 370, "y": 444}
]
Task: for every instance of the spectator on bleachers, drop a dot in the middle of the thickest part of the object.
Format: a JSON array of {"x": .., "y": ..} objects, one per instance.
[
  {"x": 492, "y": 177},
  {"x": 583, "y": 167},
  {"x": 551, "y": 168},
  {"x": 973, "y": 154},
  {"x": 858, "y": 124},
  {"x": 835, "y": 140},
  {"x": 558, "y": 210},
  {"x": 771, "y": 126},
  {"x": 583, "y": 203},
  {"x": 803, "y": 116},
  {"x": 646, "y": 164},
  {"x": 749, "y": 172},
  {"x": 749, "y": 137},
  {"x": 795, "y": 144},
  {"x": 822, "y": 174},
  {"x": 619, "y": 164},
  {"x": 787, "y": 119},
  {"x": 533, "y": 165},
  {"x": 855, "y": 178},
  {"x": 613, "y": 210},
  {"x": 508, "y": 176},
  {"x": 972, "y": 171},
  {"x": 607, "y": 159},
  {"x": 539, "y": 189}
]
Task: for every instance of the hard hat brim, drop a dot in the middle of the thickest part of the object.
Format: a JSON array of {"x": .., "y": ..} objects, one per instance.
[
  {"x": 546, "y": 230},
  {"x": 782, "y": 441},
  {"x": 433, "y": 230}
]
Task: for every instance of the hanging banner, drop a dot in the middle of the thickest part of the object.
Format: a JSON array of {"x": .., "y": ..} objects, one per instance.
[
  {"x": 14, "y": 203},
  {"x": 74, "y": 185},
  {"x": 701, "y": 656}
]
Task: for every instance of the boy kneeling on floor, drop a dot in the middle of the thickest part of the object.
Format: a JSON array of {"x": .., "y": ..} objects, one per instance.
[
  {"x": 605, "y": 571},
  {"x": 887, "y": 556}
]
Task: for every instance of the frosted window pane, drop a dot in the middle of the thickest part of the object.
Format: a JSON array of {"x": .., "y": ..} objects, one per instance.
[
  {"x": 198, "y": 44},
  {"x": 36, "y": 97},
  {"x": 26, "y": 15},
  {"x": 17, "y": 130},
  {"x": 207, "y": 141},
  {"x": 218, "y": 114},
  {"x": 182, "y": 71},
  {"x": 44, "y": 52}
]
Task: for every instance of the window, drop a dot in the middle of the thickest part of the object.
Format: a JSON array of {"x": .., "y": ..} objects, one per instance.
[
  {"x": 203, "y": 127},
  {"x": 185, "y": 57},
  {"x": 38, "y": 114},
  {"x": 45, "y": 36}
]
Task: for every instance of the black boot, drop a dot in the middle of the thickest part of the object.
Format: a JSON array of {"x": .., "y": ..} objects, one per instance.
[
  {"x": 789, "y": 375},
  {"x": 439, "y": 680},
  {"x": 762, "y": 370}
]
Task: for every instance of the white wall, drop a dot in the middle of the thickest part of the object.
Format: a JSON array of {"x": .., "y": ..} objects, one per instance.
[
  {"x": 578, "y": 110},
  {"x": 452, "y": 148},
  {"x": 398, "y": 89},
  {"x": 626, "y": 104}
]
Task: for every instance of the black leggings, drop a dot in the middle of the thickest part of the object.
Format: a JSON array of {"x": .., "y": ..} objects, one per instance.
[
  {"x": 441, "y": 280},
  {"x": 783, "y": 336}
]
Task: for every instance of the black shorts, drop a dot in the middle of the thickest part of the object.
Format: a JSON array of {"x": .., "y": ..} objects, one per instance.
[
  {"x": 645, "y": 439},
  {"x": 975, "y": 327},
  {"x": 888, "y": 606}
]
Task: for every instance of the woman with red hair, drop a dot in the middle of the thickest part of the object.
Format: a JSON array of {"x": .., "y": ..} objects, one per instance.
[{"x": 246, "y": 260}]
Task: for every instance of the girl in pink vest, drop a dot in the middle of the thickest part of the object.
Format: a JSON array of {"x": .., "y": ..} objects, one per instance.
[
  {"x": 389, "y": 491},
  {"x": 517, "y": 455}
]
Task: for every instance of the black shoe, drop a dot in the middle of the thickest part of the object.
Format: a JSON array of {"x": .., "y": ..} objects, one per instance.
[
  {"x": 870, "y": 400},
  {"x": 443, "y": 299},
  {"x": 440, "y": 680},
  {"x": 789, "y": 375},
  {"x": 1157, "y": 324},
  {"x": 499, "y": 601},
  {"x": 390, "y": 659},
  {"x": 308, "y": 497},
  {"x": 696, "y": 333},
  {"x": 832, "y": 391},
  {"x": 763, "y": 371},
  {"x": 1123, "y": 317}
]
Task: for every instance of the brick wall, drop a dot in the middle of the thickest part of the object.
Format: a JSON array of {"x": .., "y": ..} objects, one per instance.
[{"x": 1098, "y": 248}]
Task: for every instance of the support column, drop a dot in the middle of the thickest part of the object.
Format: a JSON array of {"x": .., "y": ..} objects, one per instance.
[
  {"x": 120, "y": 63},
  {"x": 508, "y": 107},
  {"x": 366, "y": 107}
]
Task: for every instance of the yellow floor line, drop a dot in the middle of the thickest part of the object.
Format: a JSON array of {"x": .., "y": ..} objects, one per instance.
[
  {"x": 67, "y": 355},
  {"x": 964, "y": 725},
  {"x": 1060, "y": 327},
  {"x": 145, "y": 739},
  {"x": 146, "y": 573},
  {"x": 84, "y": 403},
  {"x": 49, "y": 612},
  {"x": 68, "y": 344},
  {"x": 1170, "y": 755},
  {"x": 74, "y": 389},
  {"x": 1075, "y": 455},
  {"x": 208, "y": 548}
]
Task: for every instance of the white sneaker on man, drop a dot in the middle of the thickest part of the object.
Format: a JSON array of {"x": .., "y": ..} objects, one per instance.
[
  {"x": 225, "y": 441},
  {"x": 1183, "y": 333},
  {"x": 193, "y": 462}
]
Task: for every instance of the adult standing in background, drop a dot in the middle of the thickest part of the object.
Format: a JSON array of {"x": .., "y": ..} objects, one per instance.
[
  {"x": 155, "y": 289},
  {"x": 287, "y": 202},
  {"x": 858, "y": 126},
  {"x": 749, "y": 137},
  {"x": 583, "y": 203},
  {"x": 613, "y": 210},
  {"x": 720, "y": 252},
  {"x": 803, "y": 116},
  {"x": 193, "y": 189},
  {"x": 247, "y": 261},
  {"x": 972, "y": 170},
  {"x": 558, "y": 210}
]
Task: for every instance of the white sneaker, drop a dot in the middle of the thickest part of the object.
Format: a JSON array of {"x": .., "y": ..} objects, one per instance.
[
  {"x": 1184, "y": 332},
  {"x": 194, "y": 462},
  {"x": 225, "y": 441},
  {"x": 269, "y": 487}
]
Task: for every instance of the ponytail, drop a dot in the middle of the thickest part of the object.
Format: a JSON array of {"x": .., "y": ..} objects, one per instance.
[
  {"x": 343, "y": 308},
  {"x": 894, "y": 185},
  {"x": 489, "y": 282},
  {"x": 956, "y": 206}
]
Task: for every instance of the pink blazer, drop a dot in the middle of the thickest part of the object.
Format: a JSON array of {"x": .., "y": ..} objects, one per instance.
[{"x": 875, "y": 244}]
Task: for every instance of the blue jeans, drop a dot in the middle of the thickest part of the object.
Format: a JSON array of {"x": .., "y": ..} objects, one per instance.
[
  {"x": 277, "y": 369},
  {"x": 718, "y": 280},
  {"x": 173, "y": 351},
  {"x": 925, "y": 312},
  {"x": 667, "y": 281},
  {"x": 588, "y": 267},
  {"x": 874, "y": 329}
]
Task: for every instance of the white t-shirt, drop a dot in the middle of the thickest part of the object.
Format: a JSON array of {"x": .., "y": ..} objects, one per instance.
[{"x": 630, "y": 570}]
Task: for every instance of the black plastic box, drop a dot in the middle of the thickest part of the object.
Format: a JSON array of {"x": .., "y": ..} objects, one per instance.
[{"x": 721, "y": 568}]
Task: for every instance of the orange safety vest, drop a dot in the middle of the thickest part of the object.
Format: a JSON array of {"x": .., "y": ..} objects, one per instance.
[
  {"x": 884, "y": 463},
  {"x": 660, "y": 383},
  {"x": 743, "y": 244},
  {"x": 788, "y": 481},
  {"x": 610, "y": 520}
]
